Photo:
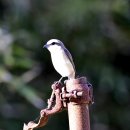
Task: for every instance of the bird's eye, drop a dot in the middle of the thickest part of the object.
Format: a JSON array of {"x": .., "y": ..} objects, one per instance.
[{"x": 53, "y": 43}]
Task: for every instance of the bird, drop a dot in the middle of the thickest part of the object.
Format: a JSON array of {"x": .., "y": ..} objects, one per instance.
[{"x": 61, "y": 59}]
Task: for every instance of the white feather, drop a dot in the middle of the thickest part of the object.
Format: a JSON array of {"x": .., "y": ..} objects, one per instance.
[{"x": 61, "y": 59}]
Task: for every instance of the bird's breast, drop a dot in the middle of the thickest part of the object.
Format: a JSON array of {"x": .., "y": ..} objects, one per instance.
[{"x": 61, "y": 63}]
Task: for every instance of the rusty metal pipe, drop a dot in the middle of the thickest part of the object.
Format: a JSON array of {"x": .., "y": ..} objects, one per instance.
[{"x": 78, "y": 112}]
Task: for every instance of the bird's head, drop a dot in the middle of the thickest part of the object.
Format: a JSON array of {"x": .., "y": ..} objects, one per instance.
[{"x": 54, "y": 45}]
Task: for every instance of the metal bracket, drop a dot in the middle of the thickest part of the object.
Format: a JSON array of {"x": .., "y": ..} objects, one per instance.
[{"x": 78, "y": 96}]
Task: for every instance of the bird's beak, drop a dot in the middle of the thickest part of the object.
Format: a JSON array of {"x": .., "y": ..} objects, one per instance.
[{"x": 45, "y": 46}]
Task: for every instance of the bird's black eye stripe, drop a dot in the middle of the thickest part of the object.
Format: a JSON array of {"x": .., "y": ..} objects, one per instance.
[{"x": 53, "y": 43}]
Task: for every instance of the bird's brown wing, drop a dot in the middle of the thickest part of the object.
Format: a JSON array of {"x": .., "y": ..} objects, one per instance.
[{"x": 70, "y": 58}]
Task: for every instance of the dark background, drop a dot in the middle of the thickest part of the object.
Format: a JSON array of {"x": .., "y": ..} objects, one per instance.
[{"x": 97, "y": 33}]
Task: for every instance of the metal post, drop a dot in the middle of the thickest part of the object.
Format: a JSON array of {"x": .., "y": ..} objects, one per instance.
[{"x": 78, "y": 112}]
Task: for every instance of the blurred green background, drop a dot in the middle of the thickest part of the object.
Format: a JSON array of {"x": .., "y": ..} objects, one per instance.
[{"x": 97, "y": 33}]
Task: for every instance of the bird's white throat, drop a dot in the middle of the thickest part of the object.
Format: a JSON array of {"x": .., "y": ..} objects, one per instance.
[{"x": 55, "y": 49}]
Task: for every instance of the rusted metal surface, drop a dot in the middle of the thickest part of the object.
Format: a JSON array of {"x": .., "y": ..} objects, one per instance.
[
  {"x": 54, "y": 106},
  {"x": 78, "y": 110},
  {"x": 75, "y": 96}
]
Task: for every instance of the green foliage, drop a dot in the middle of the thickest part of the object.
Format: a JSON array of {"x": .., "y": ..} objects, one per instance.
[{"x": 96, "y": 32}]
